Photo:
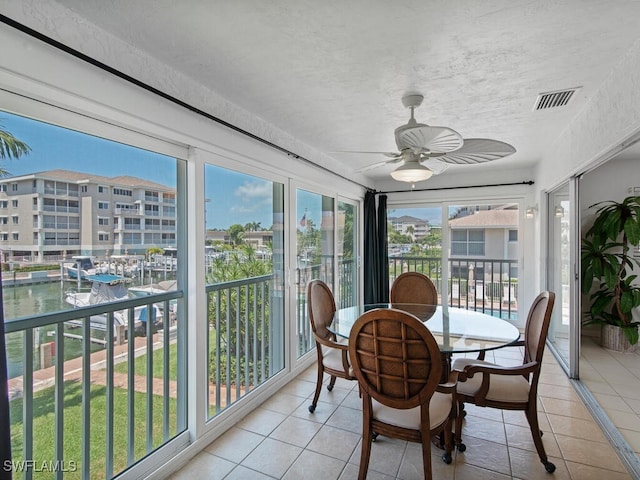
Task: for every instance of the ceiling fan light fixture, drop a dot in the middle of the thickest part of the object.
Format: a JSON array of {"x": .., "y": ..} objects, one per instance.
[{"x": 411, "y": 172}]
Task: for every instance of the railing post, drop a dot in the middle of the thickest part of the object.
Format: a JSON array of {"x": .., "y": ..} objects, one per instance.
[{"x": 121, "y": 334}]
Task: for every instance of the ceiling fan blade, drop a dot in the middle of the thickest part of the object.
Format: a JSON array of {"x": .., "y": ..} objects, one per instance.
[
  {"x": 386, "y": 154},
  {"x": 379, "y": 164},
  {"x": 436, "y": 165},
  {"x": 478, "y": 150},
  {"x": 434, "y": 139}
]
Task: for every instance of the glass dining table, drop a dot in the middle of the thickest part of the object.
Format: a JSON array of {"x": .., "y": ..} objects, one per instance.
[{"x": 455, "y": 329}]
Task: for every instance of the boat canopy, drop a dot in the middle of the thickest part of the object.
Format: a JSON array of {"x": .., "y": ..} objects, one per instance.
[{"x": 107, "y": 288}]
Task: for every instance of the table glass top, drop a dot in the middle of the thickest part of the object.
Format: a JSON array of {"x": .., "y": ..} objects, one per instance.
[{"x": 455, "y": 329}]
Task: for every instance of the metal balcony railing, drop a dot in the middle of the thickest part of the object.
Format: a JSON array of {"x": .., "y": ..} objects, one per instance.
[
  {"x": 486, "y": 285},
  {"x": 94, "y": 400},
  {"x": 245, "y": 338}
]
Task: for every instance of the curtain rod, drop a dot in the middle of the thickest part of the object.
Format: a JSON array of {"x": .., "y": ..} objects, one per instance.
[
  {"x": 86, "y": 58},
  {"x": 527, "y": 182}
]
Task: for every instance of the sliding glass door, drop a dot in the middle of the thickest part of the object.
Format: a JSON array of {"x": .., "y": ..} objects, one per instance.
[
  {"x": 314, "y": 258},
  {"x": 559, "y": 249},
  {"x": 475, "y": 257}
]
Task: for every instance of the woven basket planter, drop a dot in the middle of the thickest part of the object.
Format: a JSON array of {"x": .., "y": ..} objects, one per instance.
[{"x": 612, "y": 337}]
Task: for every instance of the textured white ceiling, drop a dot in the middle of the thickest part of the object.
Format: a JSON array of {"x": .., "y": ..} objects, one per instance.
[{"x": 332, "y": 72}]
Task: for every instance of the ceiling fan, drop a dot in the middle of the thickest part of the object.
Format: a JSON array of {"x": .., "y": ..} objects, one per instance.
[{"x": 425, "y": 150}]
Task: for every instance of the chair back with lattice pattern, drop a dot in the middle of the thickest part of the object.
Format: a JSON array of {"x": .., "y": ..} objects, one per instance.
[{"x": 395, "y": 358}]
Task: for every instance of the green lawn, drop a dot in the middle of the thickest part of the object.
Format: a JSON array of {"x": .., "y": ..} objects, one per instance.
[
  {"x": 140, "y": 364},
  {"x": 44, "y": 428}
]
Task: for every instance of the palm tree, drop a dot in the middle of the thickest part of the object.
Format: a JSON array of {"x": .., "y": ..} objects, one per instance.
[{"x": 11, "y": 147}]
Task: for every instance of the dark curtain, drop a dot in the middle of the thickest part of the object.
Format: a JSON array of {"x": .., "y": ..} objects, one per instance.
[
  {"x": 371, "y": 256},
  {"x": 383, "y": 256},
  {"x": 5, "y": 432},
  {"x": 376, "y": 262}
]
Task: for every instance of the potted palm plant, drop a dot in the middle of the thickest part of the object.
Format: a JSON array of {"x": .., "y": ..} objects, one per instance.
[{"x": 607, "y": 271}]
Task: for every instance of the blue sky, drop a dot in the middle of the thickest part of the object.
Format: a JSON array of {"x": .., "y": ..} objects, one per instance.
[{"x": 233, "y": 197}]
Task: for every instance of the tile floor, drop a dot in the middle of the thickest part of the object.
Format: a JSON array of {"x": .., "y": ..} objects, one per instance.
[
  {"x": 614, "y": 380},
  {"x": 282, "y": 440}
]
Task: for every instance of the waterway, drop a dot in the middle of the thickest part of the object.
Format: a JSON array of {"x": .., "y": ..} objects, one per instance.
[{"x": 29, "y": 300}]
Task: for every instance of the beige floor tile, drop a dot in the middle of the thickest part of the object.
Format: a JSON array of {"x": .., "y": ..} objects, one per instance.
[
  {"x": 351, "y": 471},
  {"x": 471, "y": 472},
  {"x": 626, "y": 420},
  {"x": 628, "y": 390},
  {"x": 473, "y": 426},
  {"x": 296, "y": 431},
  {"x": 633, "y": 439},
  {"x": 558, "y": 379},
  {"x": 576, "y": 427},
  {"x": 283, "y": 440},
  {"x": 235, "y": 444},
  {"x": 204, "y": 466},
  {"x": 518, "y": 417},
  {"x": 353, "y": 400},
  {"x": 386, "y": 455},
  {"x": 272, "y": 457},
  {"x": 284, "y": 403},
  {"x": 262, "y": 421},
  {"x": 565, "y": 407},
  {"x": 412, "y": 466},
  {"x": 334, "y": 442},
  {"x": 612, "y": 402},
  {"x": 633, "y": 404},
  {"x": 335, "y": 396},
  {"x": 313, "y": 465},
  {"x": 244, "y": 473},
  {"x": 521, "y": 437},
  {"x": 300, "y": 388},
  {"x": 558, "y": 391},
  {"x": 346, "y": 419},
  {"x": 596, "y": 454},
  {"x": 484, "y": 454},
  {"x": 484, "y": 412},
  {"x": 580, "y": 471},
  {"x": 321, "y": 414},
  {"x": 526, "y": 465}
]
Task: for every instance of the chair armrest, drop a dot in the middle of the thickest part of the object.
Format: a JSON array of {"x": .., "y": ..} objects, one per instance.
[
  {"x": 327, "y": 342},
  {"x": 470, "y": 370},
  {"x": 487, "y": 371},
  {"x": 450, "y": 386}
]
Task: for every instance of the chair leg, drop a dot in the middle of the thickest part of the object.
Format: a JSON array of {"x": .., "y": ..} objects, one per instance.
[
  {"x": 532, "y": 418},
  {"x": 426, "y": 459},
  {"x": 446, "y": 456},
  {"x": 332, "y": 382},
  {"x": 314, "y": 403},
  {"x": 365, "y": 451},
  {"x": 458, "y": 429}
]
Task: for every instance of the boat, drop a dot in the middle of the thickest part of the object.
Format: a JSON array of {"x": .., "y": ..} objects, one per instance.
[
  {"x": 107, "y": 288},
  {"x": 82, "y": 264},
  {"x": 153, "y": 288}
]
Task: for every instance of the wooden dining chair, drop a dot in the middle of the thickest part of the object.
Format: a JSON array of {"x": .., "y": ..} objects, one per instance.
[
  {"x": 486, "y": 384},
  {"x": 397, "y": 362},
  {"x": 413, "y": 287},
  {"x": 333, "y": 357}
]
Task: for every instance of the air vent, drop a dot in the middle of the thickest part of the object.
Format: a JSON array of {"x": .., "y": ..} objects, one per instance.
[{"x": 554, "y": 99}]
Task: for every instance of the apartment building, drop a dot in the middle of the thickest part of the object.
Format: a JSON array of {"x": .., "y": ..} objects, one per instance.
[
  {"x": 416, "y": 228},
  {"x": 56, "y": 213}
]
